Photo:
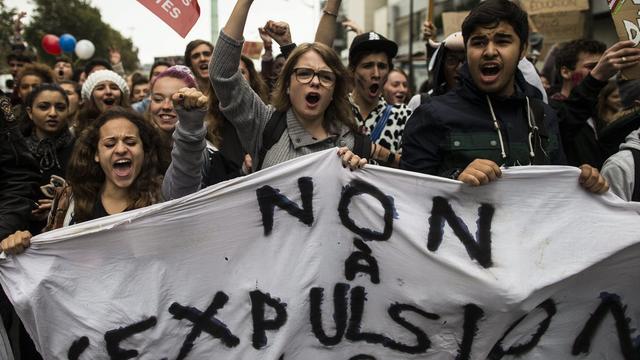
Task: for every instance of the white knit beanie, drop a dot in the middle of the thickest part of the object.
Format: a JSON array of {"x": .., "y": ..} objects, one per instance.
[{"x": 103, "y": 75}]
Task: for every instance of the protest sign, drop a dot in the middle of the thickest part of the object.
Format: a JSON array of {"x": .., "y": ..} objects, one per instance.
[
  {"x": 626, "y": 17},
  {"x": 307, "y": 260},
  {"x": 180, "y": 15},
  {"x": 559, "y": 27},
  {"x": 554, "y": 6},
  {"x": 452, "y": 21},
  {"x": 557, "y": 20}
]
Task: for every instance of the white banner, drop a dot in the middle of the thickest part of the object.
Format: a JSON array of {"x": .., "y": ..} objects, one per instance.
[{"x": 307, "y": 260}]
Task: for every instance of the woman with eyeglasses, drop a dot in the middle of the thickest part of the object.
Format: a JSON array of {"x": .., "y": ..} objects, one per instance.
[
  {"x": 311, "y": 92},
  {"x": 310, "y": 112}
]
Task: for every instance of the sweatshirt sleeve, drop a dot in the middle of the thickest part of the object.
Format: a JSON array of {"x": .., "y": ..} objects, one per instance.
[
  {"x": 580, "y": 106},
  {"x": 18, "y": 179},
  {"x": 619, "y": 170},
  {"x": 420, "y": 143},
  {"x": 238, "y": 102},
  {"x": 188, "y": 156}
]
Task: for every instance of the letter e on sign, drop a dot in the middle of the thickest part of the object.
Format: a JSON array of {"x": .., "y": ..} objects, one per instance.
[{"x": 181, "y": 16}]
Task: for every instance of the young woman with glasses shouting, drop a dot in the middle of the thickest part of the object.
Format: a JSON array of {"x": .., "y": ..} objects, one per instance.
[
  {"x": 310, "y": 112},
  {"x": 311, "y": 92}
]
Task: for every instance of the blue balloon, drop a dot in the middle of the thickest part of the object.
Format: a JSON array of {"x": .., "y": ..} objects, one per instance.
[{"x": 67, "y": 42}]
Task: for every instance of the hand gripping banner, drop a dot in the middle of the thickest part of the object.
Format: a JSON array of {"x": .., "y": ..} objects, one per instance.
[{"x": 307, "y": 260}]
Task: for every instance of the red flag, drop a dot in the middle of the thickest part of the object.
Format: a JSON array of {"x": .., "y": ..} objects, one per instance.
[{"x": 180, "y": 15}]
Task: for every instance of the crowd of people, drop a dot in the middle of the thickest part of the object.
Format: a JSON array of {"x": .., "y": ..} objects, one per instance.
[{"x": 83, "y": 143}]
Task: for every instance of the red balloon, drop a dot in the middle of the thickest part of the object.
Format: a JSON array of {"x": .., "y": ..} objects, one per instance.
[{"x": 51, "y": 44}]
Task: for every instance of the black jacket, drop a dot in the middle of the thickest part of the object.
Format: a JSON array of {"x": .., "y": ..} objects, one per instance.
[
  {"x": 580, "y": 142},
  {"x": 448, "y": 132},
  {"x": 18, "y": 174},
  {"x": 614, "y": 134}
]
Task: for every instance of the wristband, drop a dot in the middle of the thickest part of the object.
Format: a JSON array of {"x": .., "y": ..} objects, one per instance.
[{"x": 287, "y": 49}]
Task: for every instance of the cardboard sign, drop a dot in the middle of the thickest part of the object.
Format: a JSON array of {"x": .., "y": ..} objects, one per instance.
[
  {"x": 560, "y": 27},
  {"x": 452, "y": 21},
  {"x": 554, "y": 6},
  {"x": 626, "y": 17},
  {"x": 307, "y": 260},
  {"x": 180, "y": 15}
]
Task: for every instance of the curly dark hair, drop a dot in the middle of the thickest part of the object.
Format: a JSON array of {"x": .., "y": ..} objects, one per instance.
[
  {"x": 489, "y": 13},
  {"x": 42, "y": 71},
  {"x": 44, "y": 87},
  {"x": 86, "y": 177},
  {"x": 567, "y": 55}
]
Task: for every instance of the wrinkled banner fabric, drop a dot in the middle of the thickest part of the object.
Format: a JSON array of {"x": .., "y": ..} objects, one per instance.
[{"x": 307, "y": 260}]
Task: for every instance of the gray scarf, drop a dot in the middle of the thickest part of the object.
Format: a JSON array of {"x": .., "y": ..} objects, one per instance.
[{"x": 46, "y": 150}]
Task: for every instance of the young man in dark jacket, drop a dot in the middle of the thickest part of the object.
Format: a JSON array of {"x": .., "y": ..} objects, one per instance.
[
  {"x": 491, "y": 119},
  {"x": 585, "y": 67}
]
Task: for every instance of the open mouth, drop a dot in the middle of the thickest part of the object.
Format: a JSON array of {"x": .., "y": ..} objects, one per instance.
[
  {"x": 399, "y": 97},
  {"x": 109, "y": 101},
  {"x": 167, "y": 118},
  {"x": 312, "y": 98},
  {"x": 203, "y": 66},
  {"x": 490, "y": 71},
  {"x": 122, "y": 167},
  {"x": 373, "y": 89}
]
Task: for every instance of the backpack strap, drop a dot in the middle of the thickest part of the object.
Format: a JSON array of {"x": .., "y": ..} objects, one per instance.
[
  {"x": 273, "y": 130},
  {"x": 231, "y": 147},
  {"x": 62, "y": 201},
  {"x": 636, "y": 179},
  {"x": 538, "y": 119},
  {"x": 362, "y": 145},
  {"x": 382, "y": 122},
  {"x": 276, "y": 126}
]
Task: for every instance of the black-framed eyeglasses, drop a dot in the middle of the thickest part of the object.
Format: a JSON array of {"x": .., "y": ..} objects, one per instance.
[{"x": 305, "y": 75}]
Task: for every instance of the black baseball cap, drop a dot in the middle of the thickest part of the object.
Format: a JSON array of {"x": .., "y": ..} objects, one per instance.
[{"x": 371, "y": 42}]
